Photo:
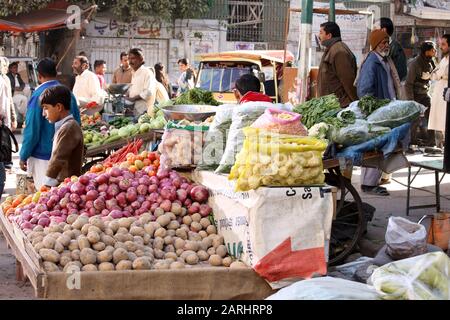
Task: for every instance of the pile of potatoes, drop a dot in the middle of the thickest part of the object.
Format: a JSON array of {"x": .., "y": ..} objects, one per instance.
[{"x": 135, "y": 243}]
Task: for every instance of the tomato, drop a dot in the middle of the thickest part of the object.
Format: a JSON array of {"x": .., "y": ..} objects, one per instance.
[
  {"x": 146, "y": 162},
  {"x": 156, "y": 163},
  {"x": 144, "y": 154},
  {"x": 132, "y": 169},
  {"x": 152, "y": 156},
  {"x": 152, "y": 173}
]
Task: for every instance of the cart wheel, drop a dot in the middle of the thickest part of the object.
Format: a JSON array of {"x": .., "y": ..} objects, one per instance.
[{"x": 349, "y": 224}]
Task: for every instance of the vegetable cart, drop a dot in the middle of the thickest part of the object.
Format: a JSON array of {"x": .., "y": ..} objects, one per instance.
[
  {"x": 350, "y": 221},
  {"x": 98, "y": 154}
]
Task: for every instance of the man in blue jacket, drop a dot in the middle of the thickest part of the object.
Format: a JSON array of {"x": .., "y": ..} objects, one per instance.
[
  {"x": 378, "y": 77},
  {"x": 38, "y": 133}
]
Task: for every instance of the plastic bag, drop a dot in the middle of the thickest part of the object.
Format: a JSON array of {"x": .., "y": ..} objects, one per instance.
[
  {"x": 216, "y": 137},
  {"x": 243, "y": 116},
  {"x": 396, "y": 113},
  {"x": 326, "y": 288},
  {"x": 271, "y": 159},
  {"x": 280, "y": 121},
  {"x": 359, "y": 132},
  {"x": 405, "y": 239},
  {"x": 355, "y": 109},
  {"x": 425, "y": 277},
  {"x": 181, "y": 146}
]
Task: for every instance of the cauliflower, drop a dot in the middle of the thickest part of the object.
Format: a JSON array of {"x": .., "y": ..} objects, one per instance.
[{"x": 319, "y": 130}]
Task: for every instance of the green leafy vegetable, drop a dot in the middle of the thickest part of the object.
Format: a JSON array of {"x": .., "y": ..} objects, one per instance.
[
  {"x": 369, "y": 104},
  {"x": 197, "y": 96},
  {"x": 323, "y": 109}
]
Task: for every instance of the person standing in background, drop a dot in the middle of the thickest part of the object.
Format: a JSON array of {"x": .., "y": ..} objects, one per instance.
[
  {"x": 337, "y": 69},
  {"x": 396, "y": 52},
  {"x": 87, "y": 86},
  {"x": 100, "y": 71},
  {"x": 19, "y": 91},
  {"x": 162, "y": 78},
  {"x": 186, "y": 81},
  {"x": 124, "y": 72},
  {"x": 438, "y": 110},
  {"x": 417, "y": 88}
]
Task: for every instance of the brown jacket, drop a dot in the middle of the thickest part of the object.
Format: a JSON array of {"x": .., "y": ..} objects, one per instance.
[
  {"x": 122, "y": 76},
  {"x": 337, "y": 72},
  {"x": 67, "y": 154}
]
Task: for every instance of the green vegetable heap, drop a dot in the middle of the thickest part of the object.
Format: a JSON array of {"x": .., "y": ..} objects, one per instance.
[
  {"x": 197, "y": 96},
  {"x": 369, "y": 104},
  {"x": 323, "y": 109}
]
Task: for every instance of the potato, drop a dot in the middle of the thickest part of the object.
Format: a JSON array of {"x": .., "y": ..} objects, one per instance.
[
  {"x": 119, "y": 255},
  {"x": 217, "y": 242},
  {"x": 227, "y": 261},
  {"x": 64, "y": 240},
  {"x": 64, "y": 260},
  {"x": 187, "y": 220},
  {"x": 202, "y": 255},
  {"x": 186, "y": 253},
  {"x": 106, "y": 266},
  {"x": 50, "y": 267},
  {"x": 75, "y": 255},
  {"x": 94, "y": 229},
  {"x": 69, "y": 233},
  {"x": 124, "y": 265},
  {"x": 171, "y": 255},
  {"x": 104, "y": 256},
  {"x": 196, "y": 226},
  {"x": 99, "y": 246},
  {"x": 67, "y": 227},
  {"x": 173, "y": 225},
  {"x": 125, "y": 223},
  {"x": 237, "y": 264},
  {"x": 170, "y": 232},
  {"x": 196, "y": 217},
  {"x": 138, "y": 240},
  {"x": 93, "y": 237},
  {"x": 179, "y": 252},
  {"x": 161, "y": 265},
  {"x": 39, "y": 228},
  {"x": 49, "y": 241},
  {"x": 56, "y": 228},
  {"x": 148, "y": 251},
  {"x": 202, "y": 246},
  {"x": 158, "y": 212},
  {"x": 177, "y": 265},
  {"x": 171, "y": 215},
  {"x": 215, "y": 260},
  {"x": 83, "y": 242},
  {"x": 97, "y": 222},
  {"x": 168, "y": 240},
  {"x": 76, "y": 233},
  {"x": 122, "y": 230},
  {"x": 169, "y": 248},
  {"x": 55, "y": 235},
  {"x": 85, "y": 228},
  {"x": 139, "y": 253},
  {"x": 181, "y": 234},
  {"x": 71, "y": 218},
  {"x": 88, "y": 256},
  {"x": 183, "y": 212},
  {"x": 145, "y": 218},
  {"x": 211, "y": 251},
  {"x": 194, "y": 236},
  {"x": 160, "y": 232},
  {"x": 205, "y": 223},
  {"x": 159, "y": 254},
  {"x": 49, "y": 255},
  {"x": 73, "y": 245},
  {"x": 221, "y": 251},
  {"x": 114, "y": 225},
  {"x": 146, "y": 239},
  {"x": 120, "y": 237},
  {"x": 110, "y": 248},
  {"x": 108, "y": 232},
  {"x": 59, "y": 247},
  {"x": 150, "y": 229},
  {"x": 203, "y": 234},
  {"x": 73, "y": 266},
  {"x": 137, "y": 231},
  {"x": 158, "y": 243},
  {"x": 119, "y": 244},
  {"x": 107, "y": 240},
  {"x": 37, "y": 240},
  {"x": 192, "y": 259},
  {"x": 191, "y": 245},
  {"x": 89, "y": 267},
  {"x": 142, "y": 263},
  {"x": 163, "y": 220},
  {"x": 211, "y": 230},
  {"x": 131, "y": 246},
  {"x": 132, "y": 256},
  {"x": 179, "y": 243}
]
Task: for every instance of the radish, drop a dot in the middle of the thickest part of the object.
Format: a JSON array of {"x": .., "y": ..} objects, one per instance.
[{"x": 199, "y": 193}]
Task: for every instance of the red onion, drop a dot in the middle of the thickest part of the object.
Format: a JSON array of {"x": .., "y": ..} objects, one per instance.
[
  {"x": 126, "y": 214},
  {"x": 128, "y": 175},
  {"x": 154, "y": 180},
  {"x": 27, "y": 225},
  {"x": 135, "y": 205},
  {"x": 159, "y": 200},
  {"x": 115, "y": 172},
  {"x": 131, "y": 194},
  {"x": 26, "y": 216},
  {"x": 187, "y": 203},
  {"x": 102, "y": 179},
  {"x": 90, "y": 187},
  {"x": 193, "y": 209},
  {"x": 116, "y": 214},
  {"x": 176, "y": 182},
  {"x": 182, "y": 195},
  {"x": 75, "y": 198},
  {"x": 84, "y": 214},
  {"x": 134, "y": 183},
  {"x": 154, "y": 206},
  {"x": 146, "y": 205},
  {"x": 92, "y": 195},
  {"x": 105, "y": 212},
  {"x": 64, "y": 211},
  {"x": 40, "y": 208},
  {"x": 144, "y": 180},
  {"x": 84, "y": 179},
  {"x": 89, "y": 204},
  {"x": 153, "y": 197},
  {"x": 44, "y": 222},
  {"x": 114, "y": 180},
  {"x": 199, "y": 193},
  {"x": 166, "y": 205},
  {"x": 140, "y": 198},
  {"x": 139, "y": 212},
  {"x": 62, "y": 192},
  {"x": 110, "y": 203},
  {"x": 162, "y": 173},
  {"x": 152, "y": 188},
  {"x": 77, "y": 188},
  {"x": 124, "y": 184},
  {"x": 113, "y": 190},
  {"x": 99, "y": 204},
  {"x": 34, "y": 220},
  {"x": 205, "y": 210},
  {"x": 92, "y": 212},
  {"x": 43, "y": 200}
]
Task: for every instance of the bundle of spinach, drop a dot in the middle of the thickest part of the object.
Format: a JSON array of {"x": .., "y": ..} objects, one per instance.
[
  {"x": 369, "y": 104},
  {"x": 323, "y": 109}
]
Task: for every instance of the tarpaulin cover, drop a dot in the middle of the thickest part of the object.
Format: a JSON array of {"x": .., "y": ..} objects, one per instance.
[{"x": 386, "y": 143}]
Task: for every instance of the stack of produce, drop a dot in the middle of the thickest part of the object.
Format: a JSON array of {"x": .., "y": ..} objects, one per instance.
[
  {"x": 271, "y": 159},
  {"x": 156, "y": 122},
  {"x": 90, "y": 120},
  {"x": 193, "y": 96},
  {"x": 119, "y": 122}
]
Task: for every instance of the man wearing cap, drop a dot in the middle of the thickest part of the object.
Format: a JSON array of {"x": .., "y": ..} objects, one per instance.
[
  {"x": 417, "y": 88},
  {"x": 377, "y": 77}
]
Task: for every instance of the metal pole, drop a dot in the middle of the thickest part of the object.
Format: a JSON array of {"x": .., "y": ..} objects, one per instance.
[
  {"x": 332, "y": 11},
  {"x": 447, "y": 133},
  {"x": 305, "y": 49}
]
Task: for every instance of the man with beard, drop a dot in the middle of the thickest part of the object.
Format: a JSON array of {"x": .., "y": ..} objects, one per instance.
[
  {"x": 337, "y": 69},
  {"x": 438, "y": 104},
  {"x": 417, "y": 88},
  {"x": 143, "y": 84},
  {"x": 378, "y": 78}
]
